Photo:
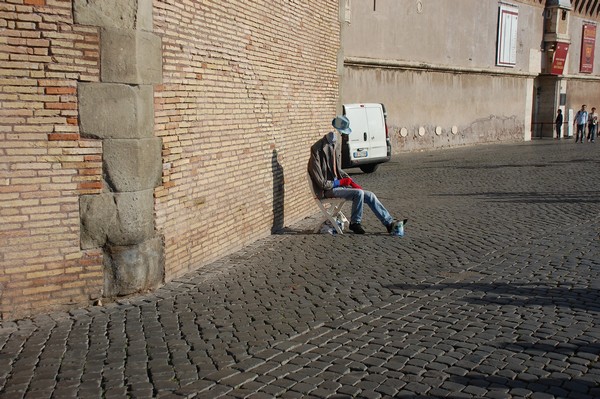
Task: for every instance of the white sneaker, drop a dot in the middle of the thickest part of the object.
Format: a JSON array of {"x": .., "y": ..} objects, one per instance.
[{"x": 397, "y": 228}]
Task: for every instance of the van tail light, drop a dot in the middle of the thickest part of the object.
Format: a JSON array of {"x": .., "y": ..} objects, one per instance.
[{"x": 387, "y": 136}]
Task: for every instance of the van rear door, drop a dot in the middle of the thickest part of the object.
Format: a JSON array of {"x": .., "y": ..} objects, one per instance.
[
  {"x": 358, "y": 140},
  {"x": 376, "y": 131},
  {"x": 368, "y": 138}
]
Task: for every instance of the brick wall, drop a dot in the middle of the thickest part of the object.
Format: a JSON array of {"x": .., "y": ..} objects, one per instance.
[
  {"x": 247, "y": 87},
  {"x": 44, "y": 163}
]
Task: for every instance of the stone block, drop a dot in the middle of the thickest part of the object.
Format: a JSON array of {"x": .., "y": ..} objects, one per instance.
[
  {"x": 119, "y": 14},
  {"x": 135, "y": 218},
  {"x": 133, "y": 57},
  {"x": 133, "y": 269},
  {"x": 97, "y": 215},
  {"x": 144, "y": 17},
  {"x": 116, "y": 110},
  {"x": 132, "y": 165},
  {"x": 116, "y": 219}
]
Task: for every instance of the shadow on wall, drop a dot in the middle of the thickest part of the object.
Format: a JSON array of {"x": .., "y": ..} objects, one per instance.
[{"x": 278, "y": 193}]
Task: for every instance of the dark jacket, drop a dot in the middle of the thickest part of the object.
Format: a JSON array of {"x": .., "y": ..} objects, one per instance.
[{"x": 320, "y": 166}]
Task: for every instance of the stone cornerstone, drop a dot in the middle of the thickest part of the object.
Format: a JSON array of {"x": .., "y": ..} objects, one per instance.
[{"x": 119, "y": 110}]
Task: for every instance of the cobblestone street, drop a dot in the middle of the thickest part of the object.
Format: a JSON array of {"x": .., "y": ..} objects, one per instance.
[{"x": 492, "y": 293}]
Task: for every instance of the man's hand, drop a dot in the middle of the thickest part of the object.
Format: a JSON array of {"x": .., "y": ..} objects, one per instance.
[{"x": 348, "y": 182}]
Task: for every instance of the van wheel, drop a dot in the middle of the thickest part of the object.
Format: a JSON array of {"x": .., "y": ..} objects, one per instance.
[{"x": 369, "y": 168}]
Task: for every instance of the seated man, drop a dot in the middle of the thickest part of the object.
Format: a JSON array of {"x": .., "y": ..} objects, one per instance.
[{"x": 330, "y": 181}]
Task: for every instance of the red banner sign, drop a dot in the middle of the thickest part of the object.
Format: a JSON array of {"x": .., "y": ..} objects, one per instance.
[
  {"x": 588, "y": 43},
  {"x": 560, "y": 57}
]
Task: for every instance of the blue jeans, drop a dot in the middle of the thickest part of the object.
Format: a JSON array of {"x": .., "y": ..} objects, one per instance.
[
  {"x": 580, "y": 133},
  {"x": 591, "y": 132},
  {"x": 358, "y": 198}
]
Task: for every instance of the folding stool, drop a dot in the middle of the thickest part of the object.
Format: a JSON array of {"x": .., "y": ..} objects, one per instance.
[{"x": 330, "y": 209}]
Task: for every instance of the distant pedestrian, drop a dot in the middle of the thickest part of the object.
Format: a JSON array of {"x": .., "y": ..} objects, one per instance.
[
  {"x": 558, "y": 122},
  {"x": 592, "y": 125},
  {"x": 581, "y": 121}
]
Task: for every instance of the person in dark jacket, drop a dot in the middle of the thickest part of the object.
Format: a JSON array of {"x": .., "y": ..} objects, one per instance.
[
  {"x": 330, "y": 181},
  {"x": 558, "y": 122}
]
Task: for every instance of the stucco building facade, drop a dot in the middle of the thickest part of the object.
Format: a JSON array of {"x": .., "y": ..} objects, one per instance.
[
  {"x": 435, "y": 66},
  {"x": 142, "y": 139}
]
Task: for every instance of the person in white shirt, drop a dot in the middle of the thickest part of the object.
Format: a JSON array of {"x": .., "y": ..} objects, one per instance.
[
  {"x": 592, "y": 125},
  {"x": 581, "y": 120}
]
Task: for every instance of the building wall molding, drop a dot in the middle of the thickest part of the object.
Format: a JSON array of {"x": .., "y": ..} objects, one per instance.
[{"x": 408, "y": 65}]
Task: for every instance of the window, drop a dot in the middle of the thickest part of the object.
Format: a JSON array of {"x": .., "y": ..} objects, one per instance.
[{"x": 506, "y": 54}]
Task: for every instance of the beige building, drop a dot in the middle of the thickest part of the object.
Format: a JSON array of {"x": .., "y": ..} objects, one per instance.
[
  {"x": 142, "y": 139},
  {"x": 471, "y": 71}
]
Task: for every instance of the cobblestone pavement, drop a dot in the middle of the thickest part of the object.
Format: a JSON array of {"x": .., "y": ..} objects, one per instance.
[{"x": 493, "y": 292}]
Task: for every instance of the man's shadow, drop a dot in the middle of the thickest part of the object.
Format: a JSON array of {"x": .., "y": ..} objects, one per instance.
[{"x": 278, "y": 194}]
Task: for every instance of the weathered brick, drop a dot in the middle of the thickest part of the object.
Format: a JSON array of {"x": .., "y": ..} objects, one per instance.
[
  {"x": 41, "y": 141},
  {"x": 60, "y": 105},
  {"x": 40, "y": 289},
  {"x": 63, "y": 136},
  {"x": 60, "y": 90},
  {"x": 89, "y": 185},
  {"x": 203, "y": 156},
  {"x": 34, "y": 2},
  {"x": 66, "y": 128}
]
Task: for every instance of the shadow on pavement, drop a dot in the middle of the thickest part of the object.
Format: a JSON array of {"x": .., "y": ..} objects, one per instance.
[
  {"x": 587, "y": 299},
  {"x": 535, "y": 197},
  {"x": 559, "y": 387},
  {"x": 479, "y": 166},
  {"x": 567, "y": 349}
]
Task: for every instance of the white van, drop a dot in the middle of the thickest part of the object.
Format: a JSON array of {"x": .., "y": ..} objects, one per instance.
[{"x": 369, "y": 144}]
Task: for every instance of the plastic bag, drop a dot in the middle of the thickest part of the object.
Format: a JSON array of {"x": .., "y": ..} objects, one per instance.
[
  {"x": 398, "y": 229},
  {"x": 341, "y": 221}
]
